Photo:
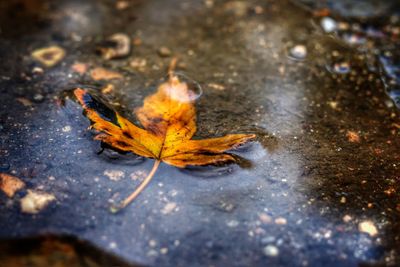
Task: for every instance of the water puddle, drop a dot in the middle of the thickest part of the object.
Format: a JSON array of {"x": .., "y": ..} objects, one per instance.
[{"x": 316, "y": 82}]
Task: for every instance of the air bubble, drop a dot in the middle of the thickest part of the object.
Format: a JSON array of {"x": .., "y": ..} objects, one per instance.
[{"x": 175, "y": 88}]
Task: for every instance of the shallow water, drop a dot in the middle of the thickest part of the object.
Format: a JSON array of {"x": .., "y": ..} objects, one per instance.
[{"x": 326, "y": 158}]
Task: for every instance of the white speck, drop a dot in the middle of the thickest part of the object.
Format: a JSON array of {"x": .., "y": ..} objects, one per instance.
[
  {"x": 38, "y": 97},
  {"x": 138, "y": 175},
  {"x": 328, "y": 24},
  {"x": 37, "y": 70},
  {"x": 35, "y": 201},
  {"x": 271, "y": 251},
  {"x": 333, "y": 104},
  {"x": 347, "y": 218},
  {"x": 368, "y": 227},
  {"x": 66, "y": 129},
  {"x": 328, "y": 234},
  {"x": 298, "y": 52},
  {"x": 164, "y": 251},
  {"x": 114, "y": 175},
  {"x": 152, "y": 243},
  {"x": 113, "y": 245},
  {"x": 168, "y": 208},
  {"x": 232, "y": 223},
  {"x": 354, "y": 39},
  {"x": 343, "y": 200},
  {"x": 173, "y": 193}
]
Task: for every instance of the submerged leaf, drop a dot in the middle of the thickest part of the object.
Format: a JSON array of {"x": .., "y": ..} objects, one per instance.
[
  {"x": 169, "y": 122},
  {"x": 168, "y": 118}
]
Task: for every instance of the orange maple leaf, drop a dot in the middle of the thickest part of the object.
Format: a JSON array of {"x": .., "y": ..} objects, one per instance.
[{"x": 168, "y": 118}]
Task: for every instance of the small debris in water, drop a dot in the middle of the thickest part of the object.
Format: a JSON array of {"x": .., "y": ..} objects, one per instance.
[
  {"x": 24, "y": 101},
  {"x": 209, "y": 3},
  {"x": 164, "y": 51},
  {"x": 104, "y": 74},
  {"x": 109, "y": 88},
  {"x": 347, "y": 218},
  {"x": 271, "y": 251},
  {"x": 237, "y": 8},
  {"x": 225, "y": 206},
  {"x": 38, "y": 98},
  {"x": 328, "y": 24},
  {"x": 35, "y": 201},
  {"x": 298, "y": 52},
  {"x": 280, "y": 221},
  {"x": 353, "y": 137},
  {"x": 138, "y": 64},
  {"x": 10, "y": 184},
  {"x": 232, "y": 223},
  {"x": 122, "y": 5},
  {"x": 323, "y": 12},
  {"x": 264, "y": 218},
  {"x": 79, "y": 67},
  {"x": 117, "y": 45},
  {"x": 138, "y": 175},
  {"x": 258, "y": 10},
  {"x": 49, "y": 56},
  {"x": 113, "y": 245},
  {"x": 341, "y": 68},
  {"x": 282, "y": 70},
  {"x": 114, "y": 175},
  {"x": 136, "y": 41},
  {"x": 368, "y": 227},
  {"x": 152, "y": 243},
  {"x": 168, "y": 208},
  {"x": 333, "y": 104},
  {"x": 354, "y": 39},
  {"x": 216, "y": 86},
  {"x": 66, "y": 129},
  {"x": 390, "y": 191},
  {"x": 37, "y": 70}
]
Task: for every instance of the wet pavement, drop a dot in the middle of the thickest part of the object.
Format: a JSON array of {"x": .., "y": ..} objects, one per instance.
[{"x": 318, "y": 83}]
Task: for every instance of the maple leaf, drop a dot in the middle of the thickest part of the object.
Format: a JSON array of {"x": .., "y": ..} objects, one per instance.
[{"x": 168, "y": 118}]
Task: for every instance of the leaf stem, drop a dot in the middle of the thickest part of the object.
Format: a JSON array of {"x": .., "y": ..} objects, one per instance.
[
  {"x": 140, "y": 188},
  {"x": 171, "y": 68}
]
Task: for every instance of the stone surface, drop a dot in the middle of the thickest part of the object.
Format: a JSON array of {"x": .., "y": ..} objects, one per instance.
[{"x": 326, "y": 158}]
